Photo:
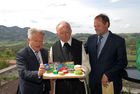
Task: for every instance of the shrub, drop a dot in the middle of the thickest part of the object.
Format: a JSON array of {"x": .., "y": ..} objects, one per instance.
[{"x": 4, "y": 64}]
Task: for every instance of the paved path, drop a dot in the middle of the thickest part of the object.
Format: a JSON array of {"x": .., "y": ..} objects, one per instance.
[{"x": 132, "y": 90}]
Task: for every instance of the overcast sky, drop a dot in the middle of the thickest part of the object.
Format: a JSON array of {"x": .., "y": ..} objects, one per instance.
[{"x": 46, "y": 14}]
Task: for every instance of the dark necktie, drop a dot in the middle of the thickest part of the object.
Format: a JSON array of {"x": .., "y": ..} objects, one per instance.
[
  {"x": 37, "y": 56},
  {"x": 99, "y": 45},
  {"x": 67, "y": 45},
  {"x": 66, "y": 50}
]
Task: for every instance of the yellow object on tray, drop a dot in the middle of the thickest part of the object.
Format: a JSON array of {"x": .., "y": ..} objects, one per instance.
[{"x": 60, "y": 73}]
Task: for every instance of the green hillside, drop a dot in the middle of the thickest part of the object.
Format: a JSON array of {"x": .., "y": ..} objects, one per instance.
[
  {"x": 16, "y": 35},
  {"x": 13, "y": 36}
]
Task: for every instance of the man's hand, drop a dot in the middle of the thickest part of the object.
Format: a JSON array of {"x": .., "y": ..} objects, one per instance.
[
  {"x": 41, "y": 70},
  {"x": 105, "y": 80}
]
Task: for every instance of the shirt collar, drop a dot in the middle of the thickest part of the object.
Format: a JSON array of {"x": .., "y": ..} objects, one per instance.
[
  {"x": 32, "y": 49},
  {"x": 105, "y": 35},
  {"x": 69, "y": 42}
]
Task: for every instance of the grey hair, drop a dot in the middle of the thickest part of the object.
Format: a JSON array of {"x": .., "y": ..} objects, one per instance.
[
  {"x": 63, "y": 22},
  {"x": 31, "y": 31}
]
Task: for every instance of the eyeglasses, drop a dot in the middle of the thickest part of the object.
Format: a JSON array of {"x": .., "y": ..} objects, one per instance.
[{"x": 37, "y": 41}]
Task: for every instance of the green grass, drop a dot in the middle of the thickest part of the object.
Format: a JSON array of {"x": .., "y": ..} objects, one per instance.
[
  {"x": 7, "y": 78},
  {"x": 12, "y": 58},
  {"x": 7, "y": 44},
  {"x": 131, "y": 57},
  {"x": 131, "y": 64}
]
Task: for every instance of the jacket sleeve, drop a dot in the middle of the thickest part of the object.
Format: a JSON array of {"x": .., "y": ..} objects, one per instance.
[
  {"x": 86, "y": 47},
  {"x": 120, "y": 63},
  {"x": 51, "y": 55},
  {"x": 85, "y": 62}
]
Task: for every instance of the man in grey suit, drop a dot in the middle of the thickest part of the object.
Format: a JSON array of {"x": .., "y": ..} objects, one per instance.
[
  {"x": 107, "y": 54},
  {"x": 30, "y": 66}
]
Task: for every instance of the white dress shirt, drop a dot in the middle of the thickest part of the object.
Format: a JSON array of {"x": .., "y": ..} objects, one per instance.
[{"x": 39, "y": 54}]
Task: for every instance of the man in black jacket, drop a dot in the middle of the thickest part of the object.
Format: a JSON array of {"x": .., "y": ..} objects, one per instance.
[
  {"x": 30, "y": 66},
  {"x": 107, "y": 54},
  {"x": 69, "y": 49}
]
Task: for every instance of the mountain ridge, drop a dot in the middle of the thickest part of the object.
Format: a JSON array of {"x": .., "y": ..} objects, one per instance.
[{"x": 15, "y": 34}]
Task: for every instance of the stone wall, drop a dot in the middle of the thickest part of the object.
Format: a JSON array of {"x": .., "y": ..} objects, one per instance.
[{"x": 8, "y": 87}]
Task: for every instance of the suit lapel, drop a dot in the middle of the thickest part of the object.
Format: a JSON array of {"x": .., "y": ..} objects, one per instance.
[
  {"x": 106, "y": 45},
  {"x": 95, "y": 45},
  {"x": 32, "y": 56},
  {"x": 42, "y": 55}
]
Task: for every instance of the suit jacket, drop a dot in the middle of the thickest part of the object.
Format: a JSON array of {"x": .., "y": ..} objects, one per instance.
[
  {"x": 112, "y": 60},
  {"x": 27, "y": 65}
]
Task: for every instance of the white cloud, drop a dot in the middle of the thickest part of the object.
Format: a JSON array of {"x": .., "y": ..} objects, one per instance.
[
  {"x": 125, "y": 26},
  {"x": 114, "y": 1},
  {"x": 46, "y": 14},
  {"x": 116, "y": 19}
]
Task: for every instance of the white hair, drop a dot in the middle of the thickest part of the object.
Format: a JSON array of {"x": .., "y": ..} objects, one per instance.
[
  {"x": 31, "y": 31},
  {"x": 63, "y": 22}
]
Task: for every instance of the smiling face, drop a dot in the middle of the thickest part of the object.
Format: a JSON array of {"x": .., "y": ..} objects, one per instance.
[
  {"x": 36, "y": 41},
  {"x": 64, "y": 32},
  {"x": 100, "y": 27}
]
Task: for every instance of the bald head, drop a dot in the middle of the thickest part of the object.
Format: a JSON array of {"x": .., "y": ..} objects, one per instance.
[{"x": 64, "y": 31}]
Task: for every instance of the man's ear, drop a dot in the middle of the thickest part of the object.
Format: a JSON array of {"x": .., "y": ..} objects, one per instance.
[
  {"x": 28, "y": 40},
  {"x": 57, "y": 34},
  {"x": 106, "y": 24},
  {"x": 70, "y": 32}
]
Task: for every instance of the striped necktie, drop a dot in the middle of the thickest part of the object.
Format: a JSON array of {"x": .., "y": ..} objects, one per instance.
[
  {"x": 37, "y": 56},
  {"x": 99, "y": 46}
]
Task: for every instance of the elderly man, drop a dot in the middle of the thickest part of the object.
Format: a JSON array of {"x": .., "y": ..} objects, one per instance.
[
  {"x": 69, "y": 49},
  {"x": 30, "y": 66}
]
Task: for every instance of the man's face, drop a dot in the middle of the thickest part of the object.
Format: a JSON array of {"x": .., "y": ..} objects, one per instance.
[
  {"x": 100, "y": 27},
  {"x": 36, "y": 41},
  {"x": 64, "y": 32}
]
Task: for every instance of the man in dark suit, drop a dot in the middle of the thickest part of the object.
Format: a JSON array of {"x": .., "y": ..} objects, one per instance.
[
  {"x": 107, "y": 54},
  {"x": 30, "y": 66}
]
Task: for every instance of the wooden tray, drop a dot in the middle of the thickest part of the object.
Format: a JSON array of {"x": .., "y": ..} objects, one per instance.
[{"x": 56, "y": 76}]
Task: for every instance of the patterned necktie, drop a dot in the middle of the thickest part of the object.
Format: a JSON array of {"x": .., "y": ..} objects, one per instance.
[
  {"x": 37, "y": 56},
  {"x": 99, "y": 45}
]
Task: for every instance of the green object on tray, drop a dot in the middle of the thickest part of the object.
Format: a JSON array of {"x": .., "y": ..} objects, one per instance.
[
  {"x": 78, "y": 72},
  {"x": 51, "y": 68},
  {"x": 55, "y": 72}
]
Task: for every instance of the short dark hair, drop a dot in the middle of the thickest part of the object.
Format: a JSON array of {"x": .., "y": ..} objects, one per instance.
[{"x": 104, "y": 17}]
